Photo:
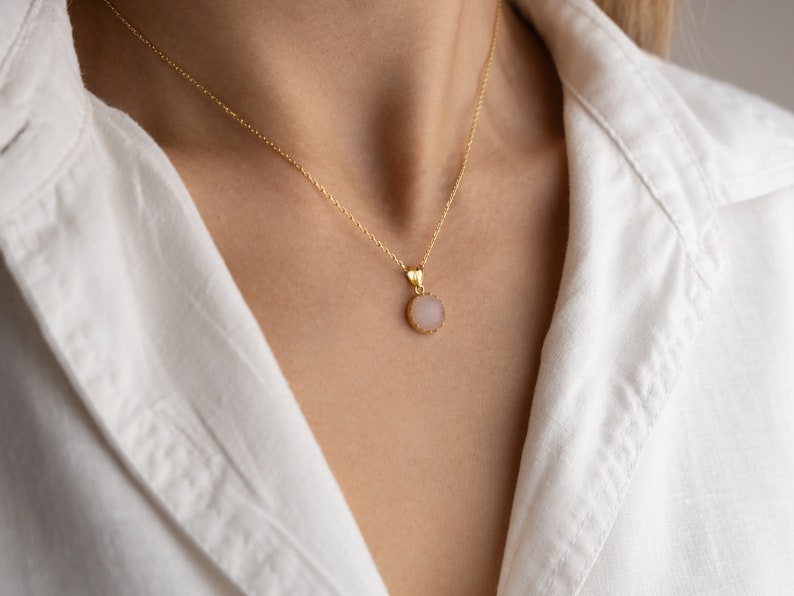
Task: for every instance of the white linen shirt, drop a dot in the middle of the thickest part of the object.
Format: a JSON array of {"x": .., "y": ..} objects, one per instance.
[{"x": 149, "y": 443}]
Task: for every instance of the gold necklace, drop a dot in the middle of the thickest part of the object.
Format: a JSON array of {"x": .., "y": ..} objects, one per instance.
[{"x": 424, "y": 311}]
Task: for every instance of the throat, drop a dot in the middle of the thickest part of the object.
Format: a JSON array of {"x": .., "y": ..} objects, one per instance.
[{"x": 374, "y": 99}]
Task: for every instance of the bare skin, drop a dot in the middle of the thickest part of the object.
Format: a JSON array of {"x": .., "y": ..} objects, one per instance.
[{"x": 424, "y": 434}]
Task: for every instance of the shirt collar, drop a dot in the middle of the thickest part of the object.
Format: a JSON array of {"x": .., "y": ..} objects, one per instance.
[
  {"x": 43, "y": 103},
  {"x": 731, "y": 145}
]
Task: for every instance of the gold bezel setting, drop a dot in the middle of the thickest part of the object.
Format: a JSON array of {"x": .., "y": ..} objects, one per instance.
[{"x": 414, "y": 324}]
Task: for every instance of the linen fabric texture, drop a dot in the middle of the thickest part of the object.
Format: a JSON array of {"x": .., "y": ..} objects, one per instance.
[{"x": 149, "y": 443}]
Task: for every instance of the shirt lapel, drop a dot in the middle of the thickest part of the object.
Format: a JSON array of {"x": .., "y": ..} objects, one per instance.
[
  {"x": 642, "y": 262},
  {"x": 140, "y": 310}
]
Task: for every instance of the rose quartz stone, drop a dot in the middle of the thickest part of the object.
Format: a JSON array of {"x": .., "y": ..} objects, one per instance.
[{"x": 425, "y": 313}]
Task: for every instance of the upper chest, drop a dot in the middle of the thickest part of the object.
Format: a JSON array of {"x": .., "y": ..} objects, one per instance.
[{"x": 423, "y": 433}]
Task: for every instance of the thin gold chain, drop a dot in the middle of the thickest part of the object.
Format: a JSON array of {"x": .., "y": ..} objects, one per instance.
[{"x": 292, "y": 161}]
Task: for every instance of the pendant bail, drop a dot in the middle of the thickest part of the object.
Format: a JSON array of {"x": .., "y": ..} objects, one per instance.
[{"x": 415, "y": 276}]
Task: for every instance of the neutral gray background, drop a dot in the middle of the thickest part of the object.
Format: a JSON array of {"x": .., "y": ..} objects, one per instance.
[{"x": 747, "y": 42}]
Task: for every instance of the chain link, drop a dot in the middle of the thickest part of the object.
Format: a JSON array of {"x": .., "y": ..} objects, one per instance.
[{"x": 294, "y": 163}]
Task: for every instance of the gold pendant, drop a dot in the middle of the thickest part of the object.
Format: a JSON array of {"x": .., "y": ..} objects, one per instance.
[{"x": 425, "y": 311}]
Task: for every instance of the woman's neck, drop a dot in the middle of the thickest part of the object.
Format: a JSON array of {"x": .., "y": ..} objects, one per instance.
[{"x": 379, "y": 92}]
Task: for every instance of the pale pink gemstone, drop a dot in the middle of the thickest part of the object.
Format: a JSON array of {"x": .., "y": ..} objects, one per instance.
[{"x": 425, "y": 313}]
